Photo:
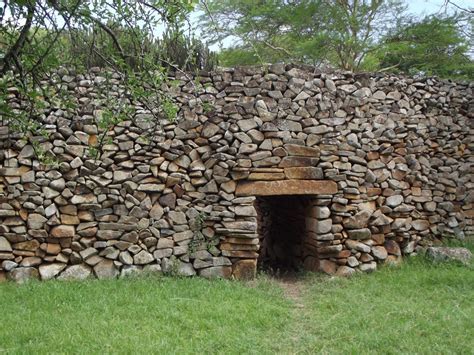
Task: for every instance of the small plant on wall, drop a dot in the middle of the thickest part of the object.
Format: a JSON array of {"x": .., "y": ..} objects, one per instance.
[{"x": 200, "y": 241}]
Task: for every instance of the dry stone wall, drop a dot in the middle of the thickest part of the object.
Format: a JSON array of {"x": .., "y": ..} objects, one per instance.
[{"x": 386, "y": 163}]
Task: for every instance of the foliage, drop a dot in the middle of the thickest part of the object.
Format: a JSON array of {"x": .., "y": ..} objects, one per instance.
[
  {"x": 356, "y": 35},
  {"x": 199, "y": 240},
  {"x": 432, "y": 46},
  {"x": 339, "y": 32},
  {"x": 174, "y": 49},
  {"x": 38, "y": 36}
]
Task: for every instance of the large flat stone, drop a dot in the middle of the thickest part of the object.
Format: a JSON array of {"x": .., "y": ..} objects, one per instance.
[{"x": 286, "y": 187}]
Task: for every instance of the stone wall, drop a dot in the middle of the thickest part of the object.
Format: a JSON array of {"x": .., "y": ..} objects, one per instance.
[{"x": 386, "y": 163}]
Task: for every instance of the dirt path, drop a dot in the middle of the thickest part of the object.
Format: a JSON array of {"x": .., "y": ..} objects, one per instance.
[{"x": 293, "y": 287}]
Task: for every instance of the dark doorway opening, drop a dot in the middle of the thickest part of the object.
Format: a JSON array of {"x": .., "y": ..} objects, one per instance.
[{"x": 282, "y": 232}]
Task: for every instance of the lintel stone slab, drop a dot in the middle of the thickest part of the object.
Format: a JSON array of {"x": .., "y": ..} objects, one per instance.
[{"x": 286, "y": 187}]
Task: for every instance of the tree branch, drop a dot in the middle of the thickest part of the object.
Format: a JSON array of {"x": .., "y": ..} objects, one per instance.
[{"x": 13, "y": 52}]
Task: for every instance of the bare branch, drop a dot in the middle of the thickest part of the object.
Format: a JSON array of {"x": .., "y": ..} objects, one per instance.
[
  {"x": 275, "y": 48},
  {"x": 14, "y": 51},
  {"x": 471, "y": 11}
]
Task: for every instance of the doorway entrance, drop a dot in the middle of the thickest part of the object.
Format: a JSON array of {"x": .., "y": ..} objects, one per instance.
[{"x": 282, "y": 232}]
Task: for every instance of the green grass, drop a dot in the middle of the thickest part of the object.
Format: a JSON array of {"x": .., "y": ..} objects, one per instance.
[{"x": 417, "y": 308}]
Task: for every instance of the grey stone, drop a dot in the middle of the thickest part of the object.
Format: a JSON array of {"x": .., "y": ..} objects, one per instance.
[
  {"x": 125, "y": 258},
  {"x": 394, "y": 201},
  {"x": 321, "y": 212},
  {"x": 5, "y": 245},
  {"x": 368, "y": 267},
  {"x": 379, "y": 252},
  {"x": 363, "y": 233},
  {"x": 352, "y": 244},
  {"x": 143, "y": 258},
  {"x": 23, "y": 274},
  {"x": 120, "y": 176},
  {"x": 420, "y": 224},
  {"x": 152, "y": 269},
  {"x": 323, "y": 226},
  {"x": 449, "y": 254},
  {"x": 359, "y": 220},
  {"x": 177, "y": 217},
  {"x": 76, "y": 272},
  {"x": 106, "y": 269},
  {"x": 216, "y": 272},
  {"x": 9, "y": 265},
  {"x": 49, "y": 271},
  {"x": 49, "y": 193},
  {"x": 58, "y": 185},
  {"x": 36, "y": 221},
  {"x": 130, "y": 271}
]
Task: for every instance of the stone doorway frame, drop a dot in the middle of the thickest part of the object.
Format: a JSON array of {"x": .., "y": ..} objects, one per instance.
[{"x": 244, "y": 261}]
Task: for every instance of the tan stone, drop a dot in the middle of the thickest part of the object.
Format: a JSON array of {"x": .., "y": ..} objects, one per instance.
[
  {"x": 14, "y": 171},
  {"x": 345, "y": 271},
  {"x": 229, "y": 186},
  {"x": 63, "y": 231},
  {"x": 392, "y": 247},
  {"x": 372, "y": 155},
  {"x": 245, "y": 269},
  {"x": 327, "y": 266},
  {"x": 469, "y": 213},
  {"x": 367, "y": 206},
  {"x": 29, "y": 245},
  {"x": 304, "y": 173},
  {"x": 295, "y": 161},
  {"x": 234, "y": 240},
  {"x": 240, "y": 254},
  {"x": 286, "y": 187},
  {"x": 85, "y": 216},
  {"x": 231, "y": 246},
  {"x": 416, "y": 191},
  {"x": 266, "y": 176},
  {"x": 92, "y": 140},
  {"x": 344, "y": 254},
  {"x": 374, "y": 191},
  {"x": 378, "y": 238},
  {"x": 301, "y": 150},
  {"x": 393, "y": 260},
  {"x": 68, "y": 219},
  {"x": 53, "y": 249}
]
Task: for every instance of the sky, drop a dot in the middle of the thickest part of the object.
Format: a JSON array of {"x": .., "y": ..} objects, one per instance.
[{"x": 424, "y": 7}]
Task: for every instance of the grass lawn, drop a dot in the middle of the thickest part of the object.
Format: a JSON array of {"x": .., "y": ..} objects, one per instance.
[{"x": 419, "y": 307}]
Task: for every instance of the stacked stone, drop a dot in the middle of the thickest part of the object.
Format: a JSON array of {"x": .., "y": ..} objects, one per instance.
[{"x": 399, "y": 149}]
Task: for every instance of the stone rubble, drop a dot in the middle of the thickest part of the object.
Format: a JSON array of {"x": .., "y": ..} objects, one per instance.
[{"x": 387, "y": 162}]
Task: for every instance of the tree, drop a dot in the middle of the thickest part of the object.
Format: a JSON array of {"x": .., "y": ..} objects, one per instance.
[
  {"x": 432, "y": 46},
  {"x": 39, "y": 36},
  {"x": 341, "y": 32}
]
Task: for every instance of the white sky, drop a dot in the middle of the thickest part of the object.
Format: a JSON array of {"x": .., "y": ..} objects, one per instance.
[{"x": 425, "y": 7}]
